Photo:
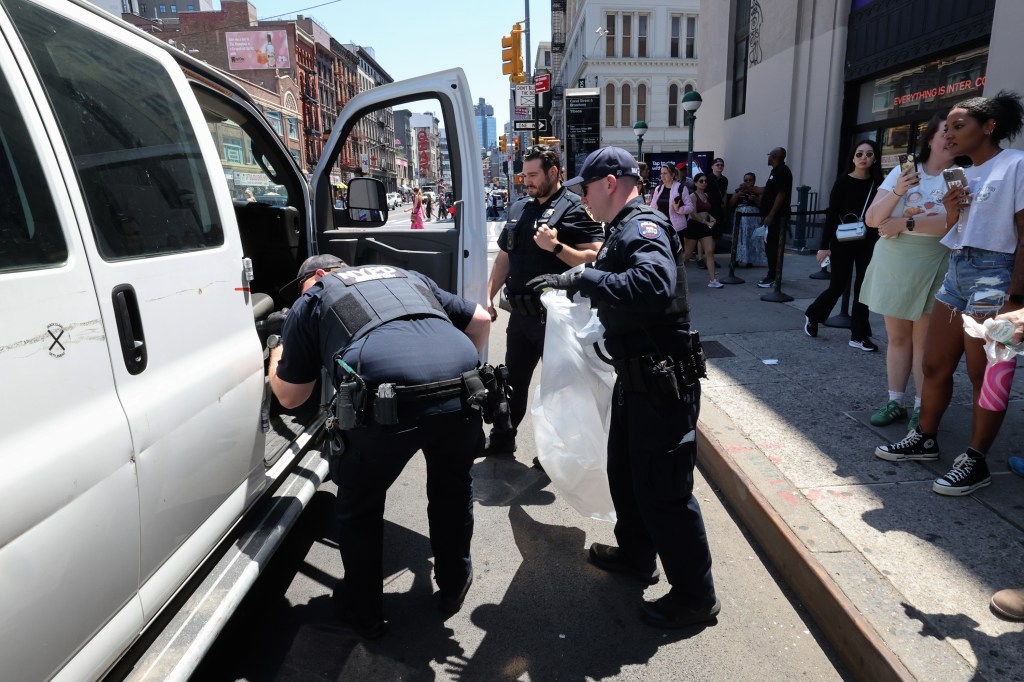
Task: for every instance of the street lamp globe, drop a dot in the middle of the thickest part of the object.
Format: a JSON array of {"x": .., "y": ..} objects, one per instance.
[
  {"x": 691, "y": 103},
  {"x": 639, "y": 128}
]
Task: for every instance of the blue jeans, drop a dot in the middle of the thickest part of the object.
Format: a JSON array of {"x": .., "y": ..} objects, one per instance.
[{"x": 977, "y": 281}]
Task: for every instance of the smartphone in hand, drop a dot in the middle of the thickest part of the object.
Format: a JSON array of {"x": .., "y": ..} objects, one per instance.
[
  {"x": 955, "y": 177},
  {"x": 907, "y": 163}
]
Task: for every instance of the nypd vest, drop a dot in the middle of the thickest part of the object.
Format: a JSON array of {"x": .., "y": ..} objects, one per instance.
[
  {"x": 357, "y": 300},
  {"x": 623, "y": 320},
  {"x": 552, "y": 216}
]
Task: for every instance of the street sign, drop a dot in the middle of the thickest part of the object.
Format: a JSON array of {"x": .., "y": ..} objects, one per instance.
[
  {"x": 540, "y": 125},
  {"x": 542, "y": 83},
  {"x": 526, "y": 96}
]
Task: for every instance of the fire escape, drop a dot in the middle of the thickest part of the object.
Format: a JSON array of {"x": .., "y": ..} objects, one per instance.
[{"x": 557, "y": 52}]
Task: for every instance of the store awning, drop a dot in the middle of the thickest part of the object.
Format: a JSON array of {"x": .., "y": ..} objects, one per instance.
[{"x": 341, "y": 185}]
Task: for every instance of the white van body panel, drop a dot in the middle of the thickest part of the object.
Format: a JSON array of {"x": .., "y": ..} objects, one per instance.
[{"x": 70, "y": 540}]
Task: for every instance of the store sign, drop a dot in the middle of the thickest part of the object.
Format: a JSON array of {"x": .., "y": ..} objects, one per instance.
[
  {"x": 423, "y": 148},
  {"x": 936, "y": 84}
]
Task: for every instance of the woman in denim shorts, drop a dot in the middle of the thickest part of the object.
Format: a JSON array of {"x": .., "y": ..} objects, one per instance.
[{"x": 985, "y": 277}]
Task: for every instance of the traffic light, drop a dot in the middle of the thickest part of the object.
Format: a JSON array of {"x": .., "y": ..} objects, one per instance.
[
  {"x": 512, "y": 56},
  {"x": 502, "y": 144},
  {"x": 515, "y": 144}
]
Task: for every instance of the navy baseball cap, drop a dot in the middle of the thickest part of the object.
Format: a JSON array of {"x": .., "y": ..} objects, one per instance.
[{"x": 604, "y": 162}]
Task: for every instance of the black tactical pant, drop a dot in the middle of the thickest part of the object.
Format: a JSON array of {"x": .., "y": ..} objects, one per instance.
[
  {"x": 652, "y": 450},
  {"x": 524, "y": 348},
  {"x": 374, "y": 457}
]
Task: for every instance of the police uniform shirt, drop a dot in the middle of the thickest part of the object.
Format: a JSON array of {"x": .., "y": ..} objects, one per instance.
[
  {"x": 528, "y": 260},
  {"x": 633, "y": 282},
  {"x": 406, "y": 352}
]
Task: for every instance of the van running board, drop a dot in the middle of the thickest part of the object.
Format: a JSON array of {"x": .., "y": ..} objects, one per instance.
[{"x": 177, "y": 651}]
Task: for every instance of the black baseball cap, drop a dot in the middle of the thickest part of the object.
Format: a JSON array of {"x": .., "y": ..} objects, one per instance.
[
  {"x": 323, "y": 261},
  {"x": 604, "y": 162}
]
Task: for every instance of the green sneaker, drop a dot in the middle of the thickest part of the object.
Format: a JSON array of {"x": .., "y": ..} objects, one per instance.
[
  {"x": 915, "y": 419},
  {"x": 891, "y": 412}
]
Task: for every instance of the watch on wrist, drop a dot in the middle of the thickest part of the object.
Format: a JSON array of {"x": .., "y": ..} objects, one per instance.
[
  {"x": 558, "y": 248},
  {"x": 910, "y": 224},
  {"x": 273, "y": 341}
]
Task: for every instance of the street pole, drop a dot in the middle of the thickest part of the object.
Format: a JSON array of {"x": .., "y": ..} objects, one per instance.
[{"x": 689, "y": 153}]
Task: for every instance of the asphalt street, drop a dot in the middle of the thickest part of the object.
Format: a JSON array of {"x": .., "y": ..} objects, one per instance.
[{"x": 537, "y": 609}]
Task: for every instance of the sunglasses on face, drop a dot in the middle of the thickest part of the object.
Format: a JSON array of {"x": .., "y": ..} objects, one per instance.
[
  {"x": 585, "y": 185},
  {"x": 870, "y": 155},
  {"x": 702, "y": 182}
]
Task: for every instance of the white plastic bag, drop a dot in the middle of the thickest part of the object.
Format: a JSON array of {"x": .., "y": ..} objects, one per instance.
[
  {"x": 572, "y": 406},
  {"x": 991, "y": 331}
]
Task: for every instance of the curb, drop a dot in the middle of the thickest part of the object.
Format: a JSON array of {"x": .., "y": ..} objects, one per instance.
[{"x": 857, "y": 643}]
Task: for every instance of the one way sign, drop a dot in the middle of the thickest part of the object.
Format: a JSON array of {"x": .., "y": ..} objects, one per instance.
[{"x": 540, "y": 125}]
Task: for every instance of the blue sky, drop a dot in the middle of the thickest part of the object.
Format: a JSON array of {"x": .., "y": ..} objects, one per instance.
[{"x": 412, "y": 38}]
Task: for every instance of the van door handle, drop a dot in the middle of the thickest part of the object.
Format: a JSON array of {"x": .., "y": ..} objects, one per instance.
[{"x": 129, "y": 328}]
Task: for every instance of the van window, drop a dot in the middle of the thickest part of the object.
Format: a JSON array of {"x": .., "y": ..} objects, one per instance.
[
  {"x": 134, "y": 149},
  {"x": 30, "y": 235}
]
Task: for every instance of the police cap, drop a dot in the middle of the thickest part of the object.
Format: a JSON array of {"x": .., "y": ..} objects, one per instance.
[{"x": 604, "y": 162}]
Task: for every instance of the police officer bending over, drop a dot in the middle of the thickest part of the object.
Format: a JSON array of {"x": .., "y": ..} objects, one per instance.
[
  {"x": 548, "y": 232},
  {"x": 639, "y": 289},
  {"x": 369, "y": 327}
]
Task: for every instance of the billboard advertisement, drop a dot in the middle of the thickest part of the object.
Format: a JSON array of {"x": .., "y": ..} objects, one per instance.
[{"x": 258, "y": 50}]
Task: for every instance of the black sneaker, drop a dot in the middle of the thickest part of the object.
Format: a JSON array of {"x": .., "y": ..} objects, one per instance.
[
  {"x": 866, "y": 345},
  {"x": 969, "y": 472},
  {"x": 810, "y": 327},
  {"x": 499, "y": 444},
  {"x": 451, "y": 602},
  {"x": 766, "y": 283},
  {"x": 670, "y": 612},
  {"x": 916, "y": 446}
]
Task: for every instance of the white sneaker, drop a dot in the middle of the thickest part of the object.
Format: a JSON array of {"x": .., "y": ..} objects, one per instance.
[{"x": 715, "y": 284}]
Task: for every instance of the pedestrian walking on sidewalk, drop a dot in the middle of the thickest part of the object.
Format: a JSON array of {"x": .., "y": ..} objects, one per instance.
[
  {"x": 548, "y": 232},
  {"x": 638, "y": 288},
  {"x": 985, "y": 277},
  {"x": 417, "y": 209},
  {"x": 699, "y": 227},
  {"x": 672, "y": 198},
  {"x": 851, "y": 195},
  {"x": 774, "y": 203},
  {"x": 908, "y": 266}
]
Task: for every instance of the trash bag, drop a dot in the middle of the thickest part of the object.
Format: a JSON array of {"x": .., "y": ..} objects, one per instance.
[{"x": 572, "y": 406}]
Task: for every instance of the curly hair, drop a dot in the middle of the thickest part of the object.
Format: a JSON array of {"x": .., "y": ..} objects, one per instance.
[
  {"x": 1005, "y": 109},
  {"x": 548, "y": 158}
]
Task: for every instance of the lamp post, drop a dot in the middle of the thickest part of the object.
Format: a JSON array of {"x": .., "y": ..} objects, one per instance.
[
  {"x": 691, "y": 103},
  {"x": 639, "y": 128}
]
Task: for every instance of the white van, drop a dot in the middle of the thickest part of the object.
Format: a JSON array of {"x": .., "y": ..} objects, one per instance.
[{"x": 136, "y": 294}]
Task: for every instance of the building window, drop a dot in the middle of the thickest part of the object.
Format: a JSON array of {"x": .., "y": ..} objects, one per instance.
[
  {"x": 609, "y": 35},
  {"x": 191, "y": 8},
  {"x": 677, "y": 22},
  {"x": 627, "y": 103},
  {"x": 163, "y": 9},
  {"x": 641, "y": 102},
  {"x": 174, "y": 9},
  {"x": 275, "y": 120},
  {"x": 627, "y": 35},
  {"x": 643, "y": 21},
  {"x": 609, "y": 105},
  {"x": 691, "y": 37},
  {"x": 673, "y": 105},
  {"x": 293, "y": 128},
  {"x": 233, "y": 150},
  {"x": 741, "y": 37}
]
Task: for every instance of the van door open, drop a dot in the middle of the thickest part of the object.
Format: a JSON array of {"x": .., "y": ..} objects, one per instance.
[{"x": 453, "y": 254}]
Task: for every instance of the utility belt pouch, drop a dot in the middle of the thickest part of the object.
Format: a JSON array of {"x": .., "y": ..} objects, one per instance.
[
  {"x": 510, "y": 240},
  {"x": 694, "y": 367},
  {"x": 385, "y": 405},
  {"x": 350, "y": 405},
  {"x": 527, "y": 304},
  {"x": 474, "y": 393},
  {"x": 660, "y": 378}
]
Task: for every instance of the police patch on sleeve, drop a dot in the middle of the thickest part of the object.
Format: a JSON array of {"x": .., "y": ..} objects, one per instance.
[{"x": 649, "y": 230}]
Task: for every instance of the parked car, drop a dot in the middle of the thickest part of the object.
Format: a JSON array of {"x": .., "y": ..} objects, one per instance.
[
  {"x": 394, "y": 200},
  {"x": 138, "y": 436}
]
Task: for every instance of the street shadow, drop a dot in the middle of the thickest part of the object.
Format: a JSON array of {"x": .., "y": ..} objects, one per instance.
[
  {"x": 543, "y": 631},
  {"x": 942, "y": 626}
]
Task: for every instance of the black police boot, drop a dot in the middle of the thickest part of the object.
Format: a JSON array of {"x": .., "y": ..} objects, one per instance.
[
  {"x": 671, "y": 611},
  {"x": 367, "y": 627},
  {"x": 609, "y": 558},
  {"x": 450, "y": 602},
  {"x": 500, "y": 443}
]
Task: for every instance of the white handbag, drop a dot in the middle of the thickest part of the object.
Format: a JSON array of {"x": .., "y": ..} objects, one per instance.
[{"x": 849, "y": 232}]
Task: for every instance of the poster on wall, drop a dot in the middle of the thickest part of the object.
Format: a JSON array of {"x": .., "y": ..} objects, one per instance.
[
  {"x": 701, "y": 162},
  {"x": 258, "y": 50},
  {"x": 582, "y": 127}
]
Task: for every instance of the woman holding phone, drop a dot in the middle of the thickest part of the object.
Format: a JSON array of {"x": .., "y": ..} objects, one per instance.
[
  {"x": 671, "y": 197},
  {"x": 698, "y": 229},
  {"x": 985, "y": 278},
  {"x": 908, "y": 265}
]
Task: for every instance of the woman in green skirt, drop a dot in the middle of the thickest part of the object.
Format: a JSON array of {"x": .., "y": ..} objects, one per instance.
[{"x": 908, "y": 265}]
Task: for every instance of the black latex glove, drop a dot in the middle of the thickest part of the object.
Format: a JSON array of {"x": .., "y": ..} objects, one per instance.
[{"x": 566, "y": 280}]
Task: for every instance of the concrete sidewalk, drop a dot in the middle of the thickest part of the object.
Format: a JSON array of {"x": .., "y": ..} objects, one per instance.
[{"x": 898, "y": 577}]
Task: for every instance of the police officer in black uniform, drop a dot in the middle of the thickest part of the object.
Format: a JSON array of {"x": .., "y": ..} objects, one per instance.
[
  {"x": 548, "y": 232},
  {"x": 369, "y": 326},
  {"x": 639, "y": 289}
]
